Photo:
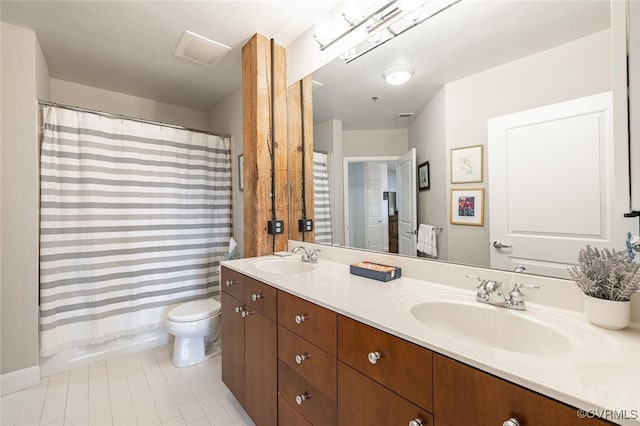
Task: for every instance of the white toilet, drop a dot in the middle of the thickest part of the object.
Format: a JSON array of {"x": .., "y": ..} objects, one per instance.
[{"x": 194, "y": 324}]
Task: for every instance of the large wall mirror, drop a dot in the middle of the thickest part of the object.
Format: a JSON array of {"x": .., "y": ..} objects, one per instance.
[{"x": 478, "y": 69}]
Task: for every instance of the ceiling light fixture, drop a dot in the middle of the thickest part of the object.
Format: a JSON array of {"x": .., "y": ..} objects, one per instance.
[{"x": 397, "y": 75}]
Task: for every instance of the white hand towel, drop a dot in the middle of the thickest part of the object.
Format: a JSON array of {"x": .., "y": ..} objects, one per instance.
[{"x": 427, "y": 240}]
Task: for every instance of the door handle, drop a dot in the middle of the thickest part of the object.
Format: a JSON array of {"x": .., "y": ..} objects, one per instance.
[{"x": 499, "y": 245}]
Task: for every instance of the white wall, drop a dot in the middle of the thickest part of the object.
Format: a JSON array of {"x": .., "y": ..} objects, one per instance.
[
  {"x": 427, "y": 134},
  {"x": 74, "y": 94},
  {"x": 375, "y": 143},
  {"x": 226, "y": 117},
  {"x": 576, "y": 69},
  {"x": 634, "y": 100},
  {"x": 24, "y": 79}
]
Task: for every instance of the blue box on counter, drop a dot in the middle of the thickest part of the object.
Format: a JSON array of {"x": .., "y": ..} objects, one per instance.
[{"x": 375, "y": 271}]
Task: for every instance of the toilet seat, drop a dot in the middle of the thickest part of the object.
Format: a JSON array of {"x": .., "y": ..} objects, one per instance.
[{"x": 194, "y": 310}]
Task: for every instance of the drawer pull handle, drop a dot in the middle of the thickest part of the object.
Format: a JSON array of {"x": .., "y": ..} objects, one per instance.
[
  {"x": 374, "y": 357},
  {"x": 229, "y": 283},
  {"x": 245, "y": 313},
  {"x": 416, "y": 422},
  {"x": 301, "y": 358},
  {"x": 302, "y": 398},
  {"x": 238, "y": 309},
  {"x": 299, "y": 319},
  {"x": 257, "y": 296},
  {"x": 511, "y": 422}
]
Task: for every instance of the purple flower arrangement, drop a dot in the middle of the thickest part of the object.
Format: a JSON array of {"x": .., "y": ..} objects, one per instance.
[{"x": 606, "y": 274}]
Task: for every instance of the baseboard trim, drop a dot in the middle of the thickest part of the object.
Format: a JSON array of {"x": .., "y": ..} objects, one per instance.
[{"x": 19, "y": 379}]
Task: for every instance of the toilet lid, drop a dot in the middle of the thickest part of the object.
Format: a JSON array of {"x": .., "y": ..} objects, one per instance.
[{"x": 194, "y": 310}]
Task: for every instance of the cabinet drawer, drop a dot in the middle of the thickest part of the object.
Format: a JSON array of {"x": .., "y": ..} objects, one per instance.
[
  {"x": 288, "y": 416},
  {"x": 306, "y": 319},
  {"x": 317, "y": 407},
  {"x": 261, "y": 297},
  {"x": 362, "y": 401},
  {"x": 465, "y": 395},
  {"x": 232, "y": 282},
  {"x": 309, "y": 361},
  {"x": 403, "y": 367}
]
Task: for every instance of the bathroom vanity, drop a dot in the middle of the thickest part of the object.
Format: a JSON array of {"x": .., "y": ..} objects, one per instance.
[{"x": 311, "y": 344}]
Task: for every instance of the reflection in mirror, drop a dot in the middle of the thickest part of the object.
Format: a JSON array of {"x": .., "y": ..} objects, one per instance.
[
  {"x": 371, "y": 220},
  {"x": 476, "y": 62}
]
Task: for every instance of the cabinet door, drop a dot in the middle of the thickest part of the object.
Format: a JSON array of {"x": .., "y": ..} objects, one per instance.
[
  {"x": 362, "y": 401},
  {"x": 260, "y": 297},
  {"x": 464, "y": 395},
  {"x": 232, "y": 282},
  {"x": 232, "y": 346},
  {"x": 260, "y": 368},
  {"x": 403, "y": 367}
]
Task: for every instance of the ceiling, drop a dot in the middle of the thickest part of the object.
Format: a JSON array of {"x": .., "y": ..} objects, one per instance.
[
  {"x": 128, "y": 46},
  {"x": 472, "y": 36}
]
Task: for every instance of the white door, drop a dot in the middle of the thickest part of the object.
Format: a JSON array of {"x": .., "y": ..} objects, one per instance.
[
  {"x": 406, "y": 200},
  {"x": 551, "y": 185},
  {"x": 373, "y": 206}
]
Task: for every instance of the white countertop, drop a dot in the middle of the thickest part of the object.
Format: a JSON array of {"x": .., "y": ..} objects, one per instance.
[{"x": 601, "y": 370}]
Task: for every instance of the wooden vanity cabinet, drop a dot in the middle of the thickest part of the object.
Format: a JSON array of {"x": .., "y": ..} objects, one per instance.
[
  {"x": 249, "y": 345},
  {"x": 306, "y": 361},
  {"x": 464, "y": 395},
  {"x": 294, "y": 363},
  {"x": 308, "y": 320},
  {"x": 362, "y": 400},
  {"x": 401, "y": 366},
  {"x": 382, "y": 379},
  {"x": 288, "y": 416}
]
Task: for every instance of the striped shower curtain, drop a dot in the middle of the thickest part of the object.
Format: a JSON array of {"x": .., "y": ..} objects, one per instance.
[
  {"x": 321, "y": 199},
  {"x": 134, "y": 217}
]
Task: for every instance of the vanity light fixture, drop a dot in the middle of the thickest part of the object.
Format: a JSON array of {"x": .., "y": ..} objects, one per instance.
[
  {"x": 353, "y": 17},
  {"x": 397, "y": 75},
  {"x": 403, "y": 16}
]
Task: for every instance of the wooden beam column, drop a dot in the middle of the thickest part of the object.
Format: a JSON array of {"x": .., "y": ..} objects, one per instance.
[
  {"x": 300, "y": 104},
  {"x": 265, "y": 160}
]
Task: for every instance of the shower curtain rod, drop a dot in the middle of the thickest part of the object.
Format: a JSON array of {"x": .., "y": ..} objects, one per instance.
[{"x": 138, "y": 120}]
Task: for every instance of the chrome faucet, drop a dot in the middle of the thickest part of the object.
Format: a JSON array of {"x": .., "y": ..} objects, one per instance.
[
  {"x": 515, "y": 298},
  {"x": 490, "y": 292},
  {"x": 310, "y": 256}
]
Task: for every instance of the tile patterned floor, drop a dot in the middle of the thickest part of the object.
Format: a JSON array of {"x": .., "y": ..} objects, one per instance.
[{"x": 142, "y": 389}]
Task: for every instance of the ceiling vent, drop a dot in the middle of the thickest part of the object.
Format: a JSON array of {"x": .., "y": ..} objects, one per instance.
[
  {"x": 201, "y": 50},
  {"x": 404, "y": 116}
]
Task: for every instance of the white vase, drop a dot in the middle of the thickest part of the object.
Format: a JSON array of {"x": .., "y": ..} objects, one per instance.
[{"x": 610, "y": 314}]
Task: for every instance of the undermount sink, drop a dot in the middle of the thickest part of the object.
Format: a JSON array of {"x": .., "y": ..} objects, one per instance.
[
  {"x": 289, "y": 265},
  {"x": 491, "y": 326}
]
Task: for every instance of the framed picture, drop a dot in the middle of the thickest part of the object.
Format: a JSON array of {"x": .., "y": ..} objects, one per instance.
[
  {"x": 240, "y": 169},
  {"x": 467, "y": 206},
  {"x": 466, "y": 164},
  {"x": 424, "y": 182}
]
